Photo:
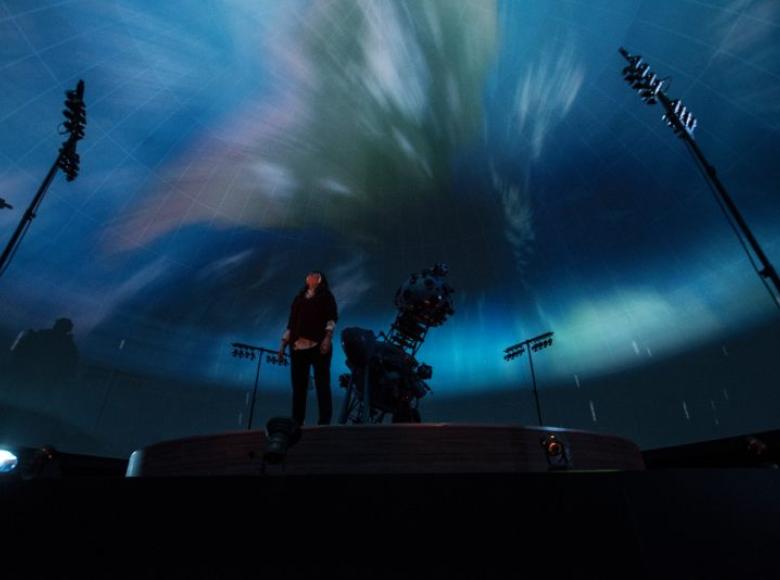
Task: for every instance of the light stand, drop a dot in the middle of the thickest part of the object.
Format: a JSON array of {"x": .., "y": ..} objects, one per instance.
[
  {"x": 639, "y": 76},
  {"x": 530, "y": 345},
  {"x": 68, "y": 160},
  {"x": 250, "y": 352}
]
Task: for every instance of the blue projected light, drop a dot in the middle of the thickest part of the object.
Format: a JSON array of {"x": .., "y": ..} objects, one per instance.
[{"x": 233, "y": 147}]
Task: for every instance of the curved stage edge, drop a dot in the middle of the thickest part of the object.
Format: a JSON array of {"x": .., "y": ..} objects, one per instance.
[{"x": 439, "y": 448}]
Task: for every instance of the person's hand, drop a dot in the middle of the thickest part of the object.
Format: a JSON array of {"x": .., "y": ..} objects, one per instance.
[
  {"x": 326, "y": 344},
  {"x": 281, "y": 351}
]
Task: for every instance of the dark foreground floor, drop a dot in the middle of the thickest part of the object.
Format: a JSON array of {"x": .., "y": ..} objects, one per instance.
[{"x": 654, "y": 524}]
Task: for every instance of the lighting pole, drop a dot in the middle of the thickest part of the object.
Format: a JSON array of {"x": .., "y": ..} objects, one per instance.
[
  {"x": 250, "y": 352},
  {"x": 650, "y": 88},
  {"x": 67, "y": 160},
  {"x": 530, "y": 345}
]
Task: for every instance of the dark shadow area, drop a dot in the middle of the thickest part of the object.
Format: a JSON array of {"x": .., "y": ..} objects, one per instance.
[
  {"x": 753, "y": 450},
  {"x": 667, "y": 524},
  {"x": 27, "y": 427},
  {"x": 40, "y": 358}
]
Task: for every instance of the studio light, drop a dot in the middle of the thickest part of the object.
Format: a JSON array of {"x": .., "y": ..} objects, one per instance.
[
  {"x": 556, "y": 451},
  {"x": 30, "y": 463},
  {"x": 281, "y": 434},
  {"x": 275, "y": 360},
  {"x": 680, "y": 118},
  {"x": 8, "y": 461},
  {"x": 75, "y": 114},
  {"x": 645, "y": 82},
  {"x": 514, "y": 352}
]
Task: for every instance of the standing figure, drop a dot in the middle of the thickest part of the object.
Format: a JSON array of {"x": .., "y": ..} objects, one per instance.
[{"x": 309, "y": 333}]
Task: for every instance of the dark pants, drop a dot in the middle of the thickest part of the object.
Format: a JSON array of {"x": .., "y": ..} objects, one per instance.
[{"x": 300, "y": 362}]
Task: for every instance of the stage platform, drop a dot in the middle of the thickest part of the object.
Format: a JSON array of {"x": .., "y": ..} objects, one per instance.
[{"x": 393, "y": 449}]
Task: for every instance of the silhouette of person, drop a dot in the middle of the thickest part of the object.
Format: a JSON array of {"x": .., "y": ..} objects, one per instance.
[
  {"x": 309, "y": 332},
  {"x": 48, "y": 355}
]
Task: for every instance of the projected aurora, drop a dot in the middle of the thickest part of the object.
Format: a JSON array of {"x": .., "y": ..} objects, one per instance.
[{"x": 233, "y": 146}]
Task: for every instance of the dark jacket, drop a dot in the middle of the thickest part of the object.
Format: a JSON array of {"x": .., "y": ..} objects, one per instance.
[{"x": 308, "y": 316}]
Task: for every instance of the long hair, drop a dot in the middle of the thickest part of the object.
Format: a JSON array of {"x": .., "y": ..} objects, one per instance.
[{"x": 321, "y": 287}]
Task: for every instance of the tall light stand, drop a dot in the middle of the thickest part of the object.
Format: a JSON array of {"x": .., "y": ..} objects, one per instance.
[
  {"x": 251, "y": 352},
  {"x": 530, "y": 345},
  {"x": 67, "y": 160},
  {"x": 650, "y": 88}
]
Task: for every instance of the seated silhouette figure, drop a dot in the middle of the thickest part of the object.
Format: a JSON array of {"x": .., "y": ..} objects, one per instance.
[{"x": 45, "y": 356}]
